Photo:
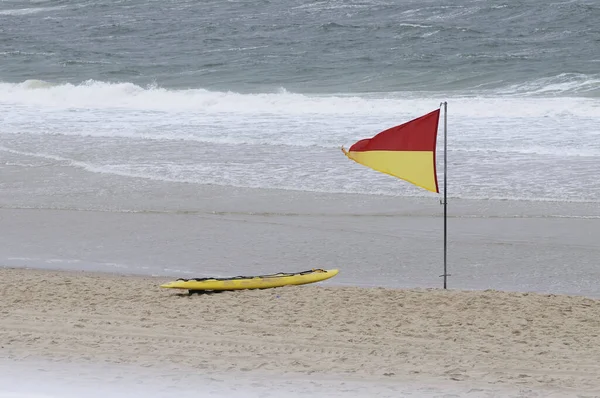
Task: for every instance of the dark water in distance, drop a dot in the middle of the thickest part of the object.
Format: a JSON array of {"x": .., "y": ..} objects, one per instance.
[{"x": 308, "y": 46}]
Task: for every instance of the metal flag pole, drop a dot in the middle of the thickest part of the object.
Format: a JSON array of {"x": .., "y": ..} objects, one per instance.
[{"x": 445, "y": 191}]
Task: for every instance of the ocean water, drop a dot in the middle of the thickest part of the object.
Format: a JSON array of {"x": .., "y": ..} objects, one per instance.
[
  {"x": 221, "y": 122},
  {"x": 263, "y": 94}
]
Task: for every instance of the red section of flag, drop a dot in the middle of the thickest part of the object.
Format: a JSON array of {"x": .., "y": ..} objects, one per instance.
[{"x": 416, "y": 135}]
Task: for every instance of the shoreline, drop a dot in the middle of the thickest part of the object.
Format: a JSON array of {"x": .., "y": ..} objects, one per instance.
[
  {"x": 329, "y": 283},
  {"x": 489, "y": 246},
  {"x": 528, "y": 340}
]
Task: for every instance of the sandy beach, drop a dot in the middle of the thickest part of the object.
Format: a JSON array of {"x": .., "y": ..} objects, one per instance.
[
  {"x": 146, "y": 141},
  {"x": 486, "y": 338},
  {"x": 521, "y": 320}
]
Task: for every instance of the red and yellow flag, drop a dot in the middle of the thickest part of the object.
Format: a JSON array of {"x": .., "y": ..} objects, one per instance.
[{"x": 406, "y": 151}]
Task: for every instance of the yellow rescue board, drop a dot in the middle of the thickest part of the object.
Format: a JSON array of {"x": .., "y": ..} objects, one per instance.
[{"x": 253, "y": 282}]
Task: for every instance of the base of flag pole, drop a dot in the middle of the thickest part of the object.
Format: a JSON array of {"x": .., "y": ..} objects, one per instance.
[{"x": 445, "y": 277}]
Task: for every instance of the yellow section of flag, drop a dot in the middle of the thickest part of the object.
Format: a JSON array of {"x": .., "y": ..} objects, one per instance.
[{"x": 416, "y": 167}]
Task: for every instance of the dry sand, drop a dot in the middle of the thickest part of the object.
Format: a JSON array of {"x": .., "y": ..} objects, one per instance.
[{"x": 489, "y": 337}]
